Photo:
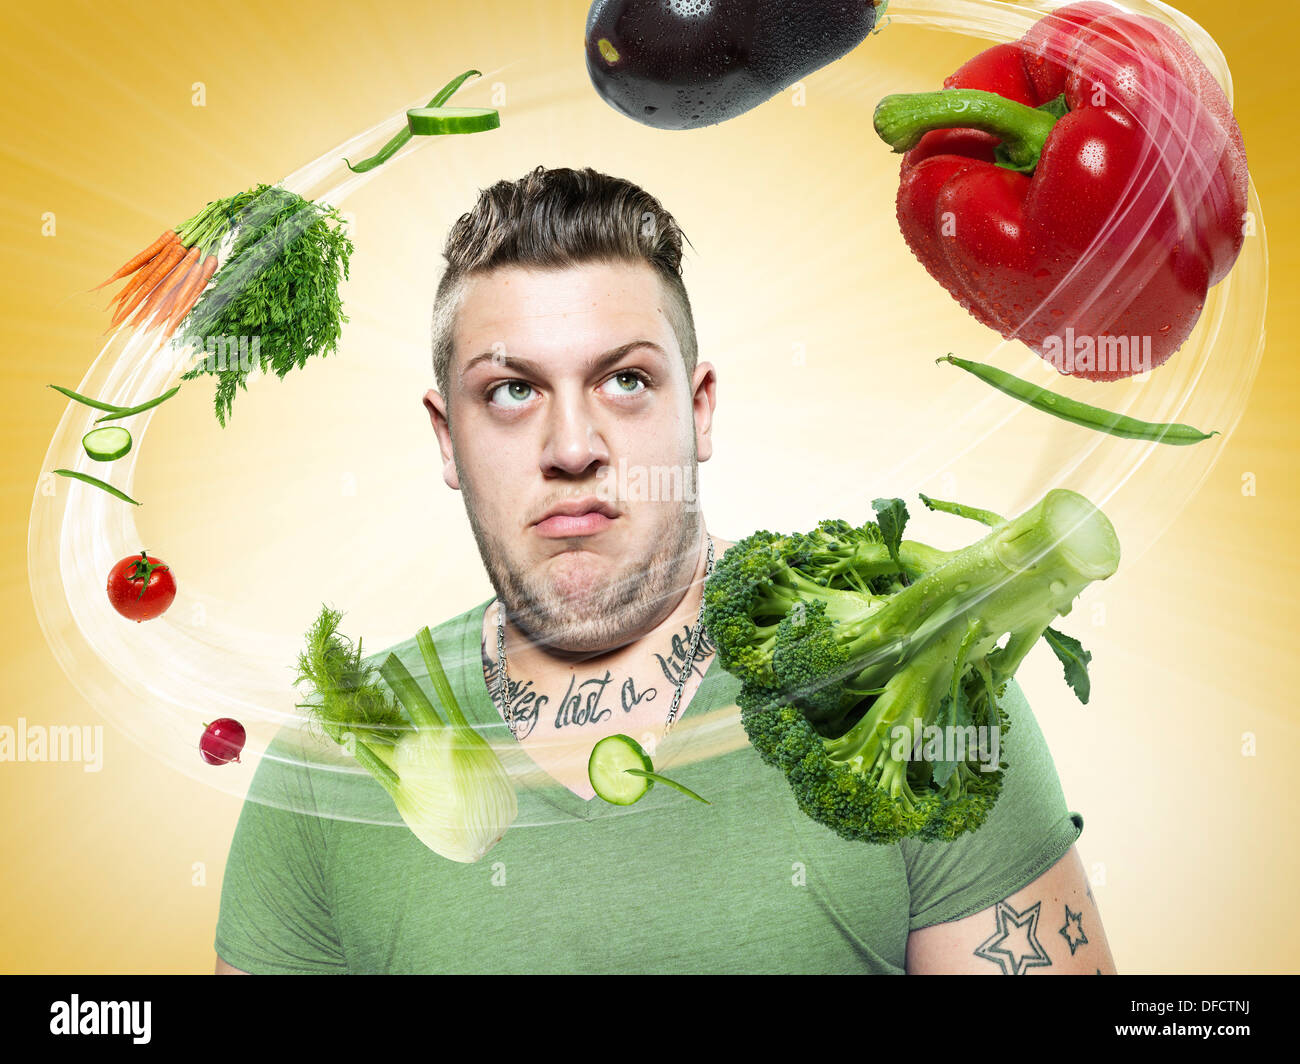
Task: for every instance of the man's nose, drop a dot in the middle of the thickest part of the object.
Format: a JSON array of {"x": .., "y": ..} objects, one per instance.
[{"x": 575, "y": 441}]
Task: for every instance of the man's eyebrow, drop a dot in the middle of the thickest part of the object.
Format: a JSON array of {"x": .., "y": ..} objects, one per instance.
[{"x": 528, "y": 366}]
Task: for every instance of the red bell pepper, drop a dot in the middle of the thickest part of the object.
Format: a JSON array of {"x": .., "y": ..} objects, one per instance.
[{"x": 1079, "y": 189}]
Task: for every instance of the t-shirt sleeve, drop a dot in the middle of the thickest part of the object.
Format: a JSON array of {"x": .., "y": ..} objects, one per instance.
[
  {"x": 1028, "y": 831},
  {"x": 275, "y": 908}
]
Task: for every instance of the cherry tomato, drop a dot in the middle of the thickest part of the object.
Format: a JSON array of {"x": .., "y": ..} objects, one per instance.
[
  {"x": 222, "y": 741},
  {"x": 140, "y": 587}
]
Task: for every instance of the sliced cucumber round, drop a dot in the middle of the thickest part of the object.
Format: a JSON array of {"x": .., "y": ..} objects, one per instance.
[
  {"x": 608, "y": 769},
  {"x": 107, "y": 444},
  {"x": 434, "y": 121}
]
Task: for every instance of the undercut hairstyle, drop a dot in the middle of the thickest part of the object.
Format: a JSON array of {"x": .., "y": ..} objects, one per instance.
[{"x": 551, "y": 219}]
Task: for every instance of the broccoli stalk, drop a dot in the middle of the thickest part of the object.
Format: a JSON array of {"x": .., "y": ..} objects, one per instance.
[
  {"x": 1017, "y": 580},
  {"x": 841, "y": 690}
]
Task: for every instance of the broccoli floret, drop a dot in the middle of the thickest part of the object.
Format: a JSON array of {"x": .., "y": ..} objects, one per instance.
[
  {"x": 755, "y": 584},
  {"x": 840, "y": 555},
  {"x": 852, "y": 663},
  {"x": 812, "y": 662}
]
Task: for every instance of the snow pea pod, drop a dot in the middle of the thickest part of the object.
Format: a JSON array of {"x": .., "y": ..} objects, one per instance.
[
  {"x": 1078, "y": 413},
  {"x": 403, "y": 135}
]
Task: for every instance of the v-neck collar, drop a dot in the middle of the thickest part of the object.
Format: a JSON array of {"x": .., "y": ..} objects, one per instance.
[{"x": 482, "y": 712}]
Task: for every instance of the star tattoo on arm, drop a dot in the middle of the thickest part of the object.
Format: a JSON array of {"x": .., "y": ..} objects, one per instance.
[
  {"x": 1072, "y": 932},
  {"x": 1014, "y": 947}
]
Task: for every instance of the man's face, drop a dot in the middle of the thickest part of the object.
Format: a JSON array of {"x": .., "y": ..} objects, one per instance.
[{"x": 561, "y": 379}]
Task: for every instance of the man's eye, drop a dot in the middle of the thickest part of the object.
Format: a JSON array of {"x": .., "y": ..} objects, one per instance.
[
  {"x": 626, "y": 382},
  {"x": 510, "y": 393}
]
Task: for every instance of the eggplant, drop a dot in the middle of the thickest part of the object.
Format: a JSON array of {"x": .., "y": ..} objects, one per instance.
[{"x": 683, "y": 64}]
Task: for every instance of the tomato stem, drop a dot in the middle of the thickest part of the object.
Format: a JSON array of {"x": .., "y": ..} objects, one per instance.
[{"x": 142, "y": 570}]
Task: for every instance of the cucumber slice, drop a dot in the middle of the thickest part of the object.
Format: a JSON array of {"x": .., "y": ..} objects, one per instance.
[
  {"x": 621, "y": 772},
  {"x": 107, "y": 444},
  {"x": 433, "y": 121},
  {"x": 608, "y": 770}
]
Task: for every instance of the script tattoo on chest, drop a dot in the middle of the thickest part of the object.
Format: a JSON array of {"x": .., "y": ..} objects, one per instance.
[
  {"x": 676, "y": 665},
  {"x": 525, "y": 703},
  {"x": 592, "y": 700}
]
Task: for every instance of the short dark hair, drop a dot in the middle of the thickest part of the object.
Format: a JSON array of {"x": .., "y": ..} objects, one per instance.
[{"x": 553, "y": 219}]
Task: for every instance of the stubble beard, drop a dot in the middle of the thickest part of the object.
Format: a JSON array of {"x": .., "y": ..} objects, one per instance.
[{"x": 602, "y": 617}]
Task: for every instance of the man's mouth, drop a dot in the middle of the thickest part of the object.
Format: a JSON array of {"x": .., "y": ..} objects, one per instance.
[{"x": 576, "y": 517}]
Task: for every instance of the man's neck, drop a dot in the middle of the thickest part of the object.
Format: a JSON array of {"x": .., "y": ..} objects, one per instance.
[{"x": 563, "y": 707}]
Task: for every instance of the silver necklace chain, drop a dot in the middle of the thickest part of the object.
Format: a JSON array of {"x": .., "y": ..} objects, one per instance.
[{"x": 501, "y": 697}]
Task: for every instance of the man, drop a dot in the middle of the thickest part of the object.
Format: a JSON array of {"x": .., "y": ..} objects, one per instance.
[{"x": 564, "y": 350}]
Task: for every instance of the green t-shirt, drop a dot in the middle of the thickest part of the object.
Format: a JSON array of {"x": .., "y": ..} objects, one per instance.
[{"x": 747, "y": 884}]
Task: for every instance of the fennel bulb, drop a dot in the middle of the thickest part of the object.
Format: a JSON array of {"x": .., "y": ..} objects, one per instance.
[
  {"x": 454, "y": 793},
  {"x": 446, "y": 781}
]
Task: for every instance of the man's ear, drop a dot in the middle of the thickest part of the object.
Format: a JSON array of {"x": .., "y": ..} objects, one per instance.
[
  {"x": 704, "y": 399},
  {"x": 437, "y": 407}
]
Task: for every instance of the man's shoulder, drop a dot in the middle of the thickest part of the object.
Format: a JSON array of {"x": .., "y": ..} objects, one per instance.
[
  {"x": 446, "y": 634},
  {"x": 300, "y": 767}
]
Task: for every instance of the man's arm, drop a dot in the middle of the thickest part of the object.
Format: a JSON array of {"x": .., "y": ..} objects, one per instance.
[{"x": 1049, "y": 927}]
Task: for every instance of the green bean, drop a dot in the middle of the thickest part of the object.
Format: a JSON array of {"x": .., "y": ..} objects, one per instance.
[
  {"x": 79, "y": 398},
  {"x": 403, "y": 135},
  {"x": 666, "y": 782},
  {"x": 383, "y": 155},
  {"x": 127, "y": 411},
  {"x": 1077, "y": 413},
  {"x": 86, "y": 478}
]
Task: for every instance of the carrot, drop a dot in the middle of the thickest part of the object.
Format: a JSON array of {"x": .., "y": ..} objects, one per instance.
[
  {"x": 193, "y": 296},
  {"x": 168, "y": 302},
  {"x": 173, "y": 298},
  {"x": 157, "y": 297},
  {"x": 146, "y": 312},
  {"x": 136, "y": 283},
  {"x": 133, "y": 264},
  {"x": 182, "y": 300},
  {"x": 156, "y": 274},
  {"x": 187, "y": 298},
  {"x": 128, "y": 289}
]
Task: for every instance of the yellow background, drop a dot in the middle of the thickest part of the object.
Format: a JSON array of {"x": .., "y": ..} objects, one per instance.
[{"x": 1192, "y": 847}]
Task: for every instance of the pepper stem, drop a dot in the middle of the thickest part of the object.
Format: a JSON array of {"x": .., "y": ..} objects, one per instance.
[{"x": 903, "y": 119}]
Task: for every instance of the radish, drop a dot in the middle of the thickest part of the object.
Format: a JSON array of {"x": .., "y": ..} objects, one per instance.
[{"x": 222, "y": 741}]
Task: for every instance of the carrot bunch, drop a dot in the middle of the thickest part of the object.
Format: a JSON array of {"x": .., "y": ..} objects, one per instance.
[
  {"x": 275, "y": 294},
  {"x": 167, "y": 277}
]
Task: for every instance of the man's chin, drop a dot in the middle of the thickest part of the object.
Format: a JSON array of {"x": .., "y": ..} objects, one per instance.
[
  {"x": 575, "y": 575},
  {"x": 579, "y": 615},
  {"x": 564, "y": 627}
]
